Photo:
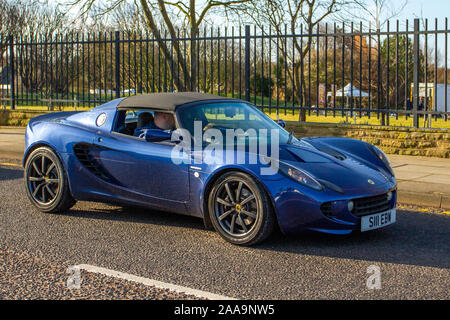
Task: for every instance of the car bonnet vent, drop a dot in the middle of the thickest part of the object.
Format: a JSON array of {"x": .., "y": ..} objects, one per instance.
[{"x": 333, "y": 153}]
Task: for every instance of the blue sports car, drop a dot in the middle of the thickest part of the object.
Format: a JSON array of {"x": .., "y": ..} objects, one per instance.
[{"x": 216, "y": 158}]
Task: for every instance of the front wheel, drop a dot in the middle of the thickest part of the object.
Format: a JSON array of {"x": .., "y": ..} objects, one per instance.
[
  {"x": 46, "y": 183},
  {"x": 240, "y": 210}
]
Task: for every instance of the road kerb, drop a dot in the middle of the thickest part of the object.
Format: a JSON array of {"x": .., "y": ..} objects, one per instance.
[
  {"x": 445, "y": 202},
  {"x": 420, "y": 199}
]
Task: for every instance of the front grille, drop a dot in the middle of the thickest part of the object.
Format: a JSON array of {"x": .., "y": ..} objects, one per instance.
[
  {"x": 362, "y": 206},
  {"x": 371, "y": 205}
]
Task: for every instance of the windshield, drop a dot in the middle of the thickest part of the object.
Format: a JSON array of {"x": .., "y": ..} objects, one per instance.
[{"x": 229, "y": 115}]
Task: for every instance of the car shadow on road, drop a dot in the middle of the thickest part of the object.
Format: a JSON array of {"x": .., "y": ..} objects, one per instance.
[
  {"x": 10, "y": 173},
  {"x": 137, "y": 215},
  {"x": 417, "y": 238}
]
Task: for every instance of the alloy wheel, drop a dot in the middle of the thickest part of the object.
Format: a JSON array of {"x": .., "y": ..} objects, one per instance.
[
  {"x": 236, "y": 208},
  {"x": 43, "y": 180}
]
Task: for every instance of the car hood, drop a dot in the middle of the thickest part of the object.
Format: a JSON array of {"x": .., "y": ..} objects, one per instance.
[
  {"x": 343, "y": 170},
  {"x": 332, "y": 167}
]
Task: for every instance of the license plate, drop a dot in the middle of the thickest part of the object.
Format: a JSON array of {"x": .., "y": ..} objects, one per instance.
[{"x": 378, "y": 220}]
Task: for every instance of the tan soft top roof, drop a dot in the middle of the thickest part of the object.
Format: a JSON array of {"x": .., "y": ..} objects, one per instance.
[{"x": 167, "y": 101}]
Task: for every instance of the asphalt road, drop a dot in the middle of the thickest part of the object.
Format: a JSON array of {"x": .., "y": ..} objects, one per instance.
[
  {"x": 25, "y": 276},
  {"x": 413, "y": 254},
  {"x": 12, "y": 142}
]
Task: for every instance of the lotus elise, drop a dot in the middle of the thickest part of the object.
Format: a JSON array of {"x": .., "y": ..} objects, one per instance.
[{"x": 118, "y": 153}]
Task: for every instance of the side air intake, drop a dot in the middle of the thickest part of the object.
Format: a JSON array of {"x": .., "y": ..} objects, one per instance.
[{"x": 81, "y": 151}]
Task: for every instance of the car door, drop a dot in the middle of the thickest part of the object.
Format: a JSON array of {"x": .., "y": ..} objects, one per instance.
[{"x": 145, "y": 169}]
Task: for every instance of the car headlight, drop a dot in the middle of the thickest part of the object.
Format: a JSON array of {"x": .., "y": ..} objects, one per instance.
[
  {"x": 301, "y": 177},
  {"x": 382, "y": 156}
]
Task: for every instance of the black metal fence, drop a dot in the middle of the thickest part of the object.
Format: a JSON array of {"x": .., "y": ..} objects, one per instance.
[{"x": 332, "y": 71}]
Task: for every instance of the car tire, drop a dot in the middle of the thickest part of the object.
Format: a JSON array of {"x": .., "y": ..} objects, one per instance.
[
  {"x": 240, "y": 210},
  {"x": 46, "y": 182}
]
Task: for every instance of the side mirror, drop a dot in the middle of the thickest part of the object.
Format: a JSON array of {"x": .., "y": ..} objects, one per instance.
[
  {"x": 156, "y": 135},
  {"x": 281, "y": 123}
]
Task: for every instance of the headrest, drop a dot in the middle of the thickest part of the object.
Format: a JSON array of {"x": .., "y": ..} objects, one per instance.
[{"x": 144, "y": 119}]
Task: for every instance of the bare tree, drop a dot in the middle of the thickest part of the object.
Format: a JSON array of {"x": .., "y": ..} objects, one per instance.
[
  {"x": 128, "y": 18},
  {"x": 168, "y": 13},
  {"x": 296, "y": 14},
  {"x": 375, "y": 12},
  {"x": 34, "y": 62},
  {"x": 12, "y": 20}
]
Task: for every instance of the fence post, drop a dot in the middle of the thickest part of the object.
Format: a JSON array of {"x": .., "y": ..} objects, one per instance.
[
  {"x": 117, "y": 62},
  {"x": 416, "y": 53},
  {"x": 379, "y": 95},
  {"x": 193, "y": 58},
  {"x": 247, "y": 63},
  {"x": 11, "y": 64}
]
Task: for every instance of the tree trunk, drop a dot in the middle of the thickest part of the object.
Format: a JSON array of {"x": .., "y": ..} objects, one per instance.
[
  {"x": 193, "y": 53},
  {"x": 179, "y": 83}
]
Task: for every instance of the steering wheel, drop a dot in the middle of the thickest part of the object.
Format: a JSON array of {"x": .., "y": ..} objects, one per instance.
[
  {"x": 214, "y": 125},
  {"x": 208, "y": 126}
]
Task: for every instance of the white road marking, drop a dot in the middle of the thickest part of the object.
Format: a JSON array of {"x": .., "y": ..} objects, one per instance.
[{"x": 153, "y": 283}]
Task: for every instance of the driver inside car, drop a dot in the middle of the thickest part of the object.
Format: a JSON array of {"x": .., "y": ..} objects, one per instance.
[{"x": 161, "y": 120}]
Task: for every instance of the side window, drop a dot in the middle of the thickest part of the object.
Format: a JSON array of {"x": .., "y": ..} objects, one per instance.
[
  {"x": 120, "y": 121},
  {"x": 129, "y": 120},
  {"x": 126, "y": 122}
]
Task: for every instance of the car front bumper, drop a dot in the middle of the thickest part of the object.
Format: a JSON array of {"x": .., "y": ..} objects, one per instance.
[{"x": 299, "y": 209}]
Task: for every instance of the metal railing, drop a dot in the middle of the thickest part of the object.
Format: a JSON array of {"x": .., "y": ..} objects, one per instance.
[{"x": 332, "y": 71}]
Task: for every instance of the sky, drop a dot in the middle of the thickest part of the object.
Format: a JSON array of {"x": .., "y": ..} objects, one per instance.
[
  {"x": 430, "y": 9},
  {"x": 427, "y": 9}
]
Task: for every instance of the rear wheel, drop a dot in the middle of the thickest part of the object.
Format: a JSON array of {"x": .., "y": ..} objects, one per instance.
[
  {"x": 46, "y": 182},
  {"x": 240, "y": 210}
]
